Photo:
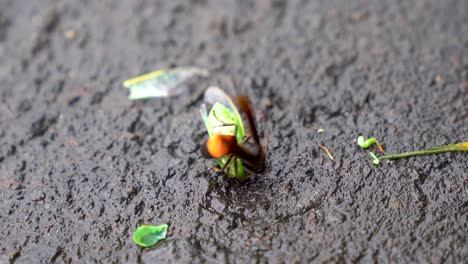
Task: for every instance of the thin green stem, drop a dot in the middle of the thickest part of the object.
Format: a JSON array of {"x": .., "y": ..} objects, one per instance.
[{"x": 435, "y": 150}]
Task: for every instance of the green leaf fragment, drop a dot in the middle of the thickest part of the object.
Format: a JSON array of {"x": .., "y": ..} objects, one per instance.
[
  {"x": 365, "y": 143},
  {"x": 162, "y": 83},
  {"x": 375, "y": 159},
  {"x": 149, "y": 235}
]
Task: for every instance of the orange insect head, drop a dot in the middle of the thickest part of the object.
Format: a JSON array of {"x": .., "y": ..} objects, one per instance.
[{"x": 218, "y": 146}]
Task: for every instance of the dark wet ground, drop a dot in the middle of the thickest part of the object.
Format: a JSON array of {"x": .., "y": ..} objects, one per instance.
[{"x": 81, "y": 167}]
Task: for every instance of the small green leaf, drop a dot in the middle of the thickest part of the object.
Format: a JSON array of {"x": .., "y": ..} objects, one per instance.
[
  {"x": 149, "y": 235},
  {"x": 375, "y": 159},
  {"x": 363, "y": 143}
]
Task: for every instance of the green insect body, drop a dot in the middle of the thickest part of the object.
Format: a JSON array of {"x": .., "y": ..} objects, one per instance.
[
  {"x": 215, "y": 123},
  {"x": 223, "y": 118},
  {"x": 219, "y": 114}
]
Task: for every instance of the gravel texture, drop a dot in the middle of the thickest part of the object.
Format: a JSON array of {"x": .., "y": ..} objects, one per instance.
[{"x": 81, "y": 167}]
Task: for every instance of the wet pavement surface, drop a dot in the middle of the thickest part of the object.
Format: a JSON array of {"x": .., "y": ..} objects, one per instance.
[{"x": 81, "y": 167}]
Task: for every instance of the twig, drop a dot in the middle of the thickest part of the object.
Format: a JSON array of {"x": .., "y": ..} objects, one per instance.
[{"x": 327, "y": 151}]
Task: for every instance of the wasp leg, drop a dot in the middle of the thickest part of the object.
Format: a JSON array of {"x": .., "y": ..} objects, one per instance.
[
  {"x": 226, "y": 164},
  {"x": 236, "y": 170},
  {"x": 246, "y": 139}
]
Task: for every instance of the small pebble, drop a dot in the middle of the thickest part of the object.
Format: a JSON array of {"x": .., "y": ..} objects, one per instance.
[
  {"x": 16, "y": 186},
  {"x": 335, "y": 217},
  {"x": 266, "y": 102},
  {"x": 37, "y": 195},
  {"x": 70, "y": 34}
]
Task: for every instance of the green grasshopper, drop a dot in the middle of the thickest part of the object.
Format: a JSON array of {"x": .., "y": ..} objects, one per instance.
[{"x": 228, "y": 142}]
